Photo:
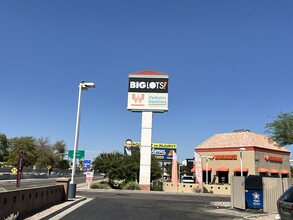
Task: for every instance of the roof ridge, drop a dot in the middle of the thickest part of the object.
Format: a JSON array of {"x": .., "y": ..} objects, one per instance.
[{"x": 240, "y": 139}]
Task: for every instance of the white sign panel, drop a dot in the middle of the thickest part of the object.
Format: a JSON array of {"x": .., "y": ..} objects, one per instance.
[
  {"x": 148, "y": 101},
  {"x": 89, "y": 176}
]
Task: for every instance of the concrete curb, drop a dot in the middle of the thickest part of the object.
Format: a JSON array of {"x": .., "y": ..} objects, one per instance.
[
  {"x": 262, "y": 216},
  {"x": 149, "y": 192}
]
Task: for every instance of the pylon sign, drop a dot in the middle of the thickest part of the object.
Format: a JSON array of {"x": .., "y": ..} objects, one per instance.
[{"x": 148, "y": 91}]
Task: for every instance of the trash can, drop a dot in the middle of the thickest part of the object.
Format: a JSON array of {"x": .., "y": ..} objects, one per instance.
[{"x": 254, "y": 192}]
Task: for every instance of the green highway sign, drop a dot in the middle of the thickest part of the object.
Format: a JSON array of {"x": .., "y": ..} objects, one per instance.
[{"x": 79, "y": 154}]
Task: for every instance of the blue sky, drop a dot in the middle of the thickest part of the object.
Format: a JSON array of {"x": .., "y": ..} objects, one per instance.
[{"x": 230, "y": 65}]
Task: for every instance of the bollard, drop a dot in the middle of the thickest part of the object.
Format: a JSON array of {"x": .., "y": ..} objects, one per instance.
[{"x": 72, "y": 190}]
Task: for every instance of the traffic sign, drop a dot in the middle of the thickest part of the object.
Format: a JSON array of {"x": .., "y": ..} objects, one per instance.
[
  {"x": 89, "y": 176},
  {"x": 87, "y": 165},
  {"x": 79, "y": 154},
  {"x": 14, "y": 170}
]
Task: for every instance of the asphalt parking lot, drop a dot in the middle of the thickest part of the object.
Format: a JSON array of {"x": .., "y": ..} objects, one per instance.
[{"x": 122, "y": 204}]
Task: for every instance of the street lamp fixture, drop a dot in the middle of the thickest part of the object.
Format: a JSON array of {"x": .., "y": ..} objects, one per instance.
[
  {"x": 72, "y": 186},
  {"x": 241, "y": 149},
  {"x": 207, "y": 166}
]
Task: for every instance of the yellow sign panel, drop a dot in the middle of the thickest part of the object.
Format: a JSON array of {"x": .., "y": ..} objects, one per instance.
[
  {"x": 14, "y": 170},
  {"x": 157, "y": 145},
  {"x": 49, "y": 167}
]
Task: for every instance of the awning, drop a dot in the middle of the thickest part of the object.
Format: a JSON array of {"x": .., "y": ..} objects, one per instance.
[
  {"x": 274, "y": 171},
  {"x": 284, "y": 172},
  {"x": 238, "y": 169},
  {"x": 222, "y": 169},
  {"x": 262, "y": 170},
  {"x": 205, "y": 169},
  {"x": 193, "y": 170}
]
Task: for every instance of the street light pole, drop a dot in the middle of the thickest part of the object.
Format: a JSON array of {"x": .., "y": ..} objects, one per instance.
[
  {"x": 72, "y": 186},
  {"x": 207, "y": 167},
  {"x": 76, "y": 134},
  {"x": 241, "y": 149}
]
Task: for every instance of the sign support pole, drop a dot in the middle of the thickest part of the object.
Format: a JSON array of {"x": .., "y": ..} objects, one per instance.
[{"x": 146, "y": 150}]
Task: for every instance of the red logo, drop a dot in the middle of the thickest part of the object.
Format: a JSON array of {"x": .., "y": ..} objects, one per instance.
[{"x": 138, "y": 99}]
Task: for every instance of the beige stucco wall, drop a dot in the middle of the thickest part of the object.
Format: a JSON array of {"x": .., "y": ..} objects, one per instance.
[
  {"x": 251, "y": 159},
  {"x": 261, "y": 162},
  {"x": 224, "y": 189},
  {"x": 247, "y": 158}
]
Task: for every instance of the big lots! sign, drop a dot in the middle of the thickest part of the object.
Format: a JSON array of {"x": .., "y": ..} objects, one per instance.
[{"x": 148, "y": 91}]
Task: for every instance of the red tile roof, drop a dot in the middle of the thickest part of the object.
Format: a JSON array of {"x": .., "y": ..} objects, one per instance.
[
  {"x": 222, "y": 169},
  {"x": 274, "y": 171},
  {"x": 205, "y": 169},
  {"x": 284, "y": 172},
  {"x": 149, "y": 72},
  {"x": 240, "y": 139},
  {"x": 238, "y": 169},
  {"x": 262, "y": 170}
]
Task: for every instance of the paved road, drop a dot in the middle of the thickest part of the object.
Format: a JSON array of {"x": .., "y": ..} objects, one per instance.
[
  {"x": 150, "y": 206},
  {"x": 38, "y": 182}
]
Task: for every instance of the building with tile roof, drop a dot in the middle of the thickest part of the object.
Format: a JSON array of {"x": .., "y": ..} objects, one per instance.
[{"x": 223, "y": 155}]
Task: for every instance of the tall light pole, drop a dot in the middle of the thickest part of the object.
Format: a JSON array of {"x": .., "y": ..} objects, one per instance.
[
  {"x": 241, "y": 149},
  {"x": 72, "y": 186},
  {"x": 207, "y": 166}
]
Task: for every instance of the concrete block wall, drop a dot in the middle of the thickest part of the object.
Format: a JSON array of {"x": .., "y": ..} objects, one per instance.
[
  {"x": 28, "y": 200},
  {"x": 224, "y": 189}
]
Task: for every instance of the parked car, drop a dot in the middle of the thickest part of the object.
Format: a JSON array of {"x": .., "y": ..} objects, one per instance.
[
  {"x": 285, "y": 204},
  {"x": 187, "y": 179}
]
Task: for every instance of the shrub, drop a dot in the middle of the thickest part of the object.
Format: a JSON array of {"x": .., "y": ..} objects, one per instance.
[
  {"x": 131, "y": 186},
  {"x": 197, "y": 190},
  {"x": 101, "y": 185},
  {"x": 158, "y": 188},
  {"x": 2, "y": 189},
  {"x": 12, "y": 216}
]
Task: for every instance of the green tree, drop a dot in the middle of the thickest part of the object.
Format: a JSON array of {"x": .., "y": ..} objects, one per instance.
[
  {"x": 118, "y": 166},
  {"x": 281, "y": 129},
  {"x": 3, "y": 147},
  {"x": 168, "y": 168},
  {"x": 111, "y": 164},
  {"x": 183, "y": 170},
  {"x": 26, "y": 144},
  {"x": 156, "y": 169},
  {"x": 45, "y": 154},
  {"x": 59, "y": 150}
]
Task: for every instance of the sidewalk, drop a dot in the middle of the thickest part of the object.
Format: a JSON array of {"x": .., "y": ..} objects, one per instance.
[
  {"x": 52, "y": 212},
  {"x": 251, "y": 214}
]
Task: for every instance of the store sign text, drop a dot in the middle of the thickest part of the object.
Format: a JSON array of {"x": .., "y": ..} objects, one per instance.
[
  {"x": 225, "y": 157},
  {"x": 273, "y": 158}
]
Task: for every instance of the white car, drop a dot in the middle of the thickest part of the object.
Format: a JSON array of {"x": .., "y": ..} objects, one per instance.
[{"x": 187, "y": 179}]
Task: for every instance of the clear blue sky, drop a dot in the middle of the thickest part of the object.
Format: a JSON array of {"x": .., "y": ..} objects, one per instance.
[{"x": 230, "y": 65}]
